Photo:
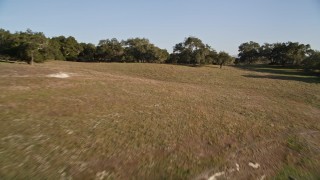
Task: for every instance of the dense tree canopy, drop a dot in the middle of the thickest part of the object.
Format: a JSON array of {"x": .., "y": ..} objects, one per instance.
[
  {"x": 312, "y": 62},
  {"x": 141, "y": 50},
  {"x": 193, "y": 51},
  {"x": 224, "y": 59},
  {"x": 88, "y": 52},
  {"x": 249, "y": 52},
  {"x": 34, "y": 44},
  {"x": 32, "y": 47},
  {"x": 109, "y": 50},
  {"x": 289, "y": 53},
  {"x": 29, "y": 46},
  {"x": 69, "y": 47}
]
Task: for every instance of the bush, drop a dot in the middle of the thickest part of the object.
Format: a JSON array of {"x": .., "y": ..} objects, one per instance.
[{"x": 312, "y": 62}]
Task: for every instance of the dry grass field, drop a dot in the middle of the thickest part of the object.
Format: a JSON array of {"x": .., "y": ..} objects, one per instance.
[{"x": 157, "y": 121}]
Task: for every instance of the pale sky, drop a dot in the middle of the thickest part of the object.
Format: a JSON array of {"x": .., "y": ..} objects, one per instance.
[{"x": 223, "y": 24}]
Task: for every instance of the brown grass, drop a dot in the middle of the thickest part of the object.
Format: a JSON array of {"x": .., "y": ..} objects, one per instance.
[{"x": 154, "y": 121}]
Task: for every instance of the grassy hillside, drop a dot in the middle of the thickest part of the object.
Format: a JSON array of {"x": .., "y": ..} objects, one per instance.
[{"x": 155, "y": 121}]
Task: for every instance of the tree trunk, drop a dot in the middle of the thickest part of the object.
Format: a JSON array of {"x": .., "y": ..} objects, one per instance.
[
  {"x": 221, "y": 65},
  {"x": 32, "y": 57}
]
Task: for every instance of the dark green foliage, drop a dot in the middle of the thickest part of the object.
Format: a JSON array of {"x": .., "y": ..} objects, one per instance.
[
  {"x": 7, "y": 43},
  {"x": 34, "y": 44},
  {"x": 192, "y": 51},
  {"x": 28, "y": 46},
  {"x": 36, "y": 47},
  {"x": 109, "y": 50},
  {"x": 69, "y": 47},
  {"x": 32, "y": 47},
  {"x": 289, "y": 53},
  {"x": 249, "y": 52},
  {"x": 312, "y": 62},
  {"x": 88, "y": 52},
  {"x": 224, "y": 59},
  {"x": 54, "y": 50},
  {"x": 141, "y": 50}
]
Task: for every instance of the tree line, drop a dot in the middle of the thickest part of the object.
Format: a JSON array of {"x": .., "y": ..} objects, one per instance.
[
  {"x": 33, "y": 46},
  {"x": 36, "y": 47},
  {"x": 285, "y": 53}
]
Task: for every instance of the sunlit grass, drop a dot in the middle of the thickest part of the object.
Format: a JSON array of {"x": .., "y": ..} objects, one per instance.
[{"x": 154, "y": 121}]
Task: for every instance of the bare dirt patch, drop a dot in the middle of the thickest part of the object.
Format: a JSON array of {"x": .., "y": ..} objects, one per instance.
[{"x": 61, "y": 75}]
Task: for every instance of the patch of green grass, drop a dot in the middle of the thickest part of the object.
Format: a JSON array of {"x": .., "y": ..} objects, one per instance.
[
  {"x": 295, "y": 144},
  {"x": 290, "y": 172}
]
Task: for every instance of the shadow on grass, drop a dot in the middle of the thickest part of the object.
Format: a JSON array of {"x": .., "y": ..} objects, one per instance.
[
  {"x": 290, "y": 70},
  {"x": 281, "y": 73},
  {"x": 213, "y": 66},
  {"x": 13, "y": 62},
  {"x": 310, "y": 79},
  {"x": 188, "y": 65},
  {"x": 195, "y": 65},
  {"x": 7, "y": 61}
]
